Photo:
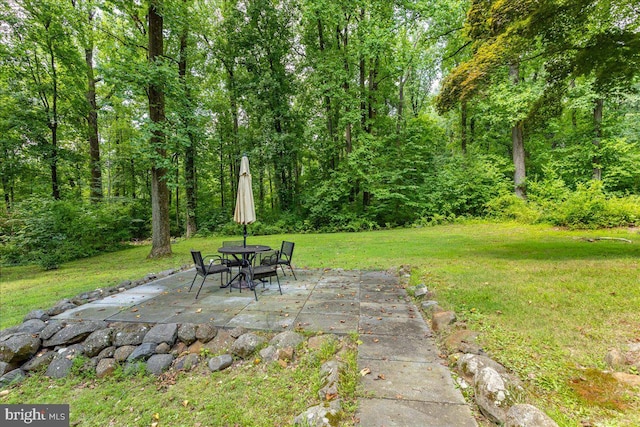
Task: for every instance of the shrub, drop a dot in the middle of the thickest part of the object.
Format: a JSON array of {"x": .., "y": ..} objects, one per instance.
[
  {"x": 589, "y": 207},
  {"x": 50, "y": 232},
  {"x": 513, "y": 208}
]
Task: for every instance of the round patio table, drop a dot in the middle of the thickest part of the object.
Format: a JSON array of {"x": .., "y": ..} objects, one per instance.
[{"x": 247, "y": 254}]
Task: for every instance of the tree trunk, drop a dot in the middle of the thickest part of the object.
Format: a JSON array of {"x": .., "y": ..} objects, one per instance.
[
  {"x": 189, "y": 151},
  {"x": 517, "y": 140},
  {"x": 95, "y": 192},
  {"x": 463, "y": 126},
  {"x": 161, "y": 237},
  {"x": 597, "y": 126}
]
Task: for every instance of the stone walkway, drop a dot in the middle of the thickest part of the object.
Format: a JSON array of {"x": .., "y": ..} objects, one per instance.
[{"x": 407, "y": 385}]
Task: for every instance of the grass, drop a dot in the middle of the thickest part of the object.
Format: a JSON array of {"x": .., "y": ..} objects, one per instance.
[{"x": 548, "y": 303}]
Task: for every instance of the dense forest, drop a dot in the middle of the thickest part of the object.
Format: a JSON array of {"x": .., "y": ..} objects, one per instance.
[{"x": 124, "y": 120}]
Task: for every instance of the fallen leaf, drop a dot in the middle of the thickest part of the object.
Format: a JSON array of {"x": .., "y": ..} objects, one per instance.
[
  {"x": 134, "y": 310},
  {"x": 331, "y": 396},
  {"x": 185, "y": 403},
  {"x": 156, "y": 416},
  {"x": 4, "y": 393},
  {"x": 376, "y": 340},
  {"x": 381, "y": 377},
  {"x": 365, "y": 371},
  {"x": 199, "y": 310}
]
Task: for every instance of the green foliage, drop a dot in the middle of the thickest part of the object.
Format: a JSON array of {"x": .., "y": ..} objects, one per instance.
[
  {"x": 510, "y": 207},
  {"x": 52, "y": 232},
  {"x": 590, "y": 207}
]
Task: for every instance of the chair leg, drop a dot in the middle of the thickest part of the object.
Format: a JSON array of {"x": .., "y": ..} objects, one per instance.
[
  {"x": 293, "y": 272},
  {"x": 278, "y": 279},
  {"x": 192, "y": 282},
  {"x": 199, "y": 289}
]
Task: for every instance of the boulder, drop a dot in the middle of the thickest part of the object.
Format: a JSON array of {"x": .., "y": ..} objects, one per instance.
[
  {"x": 129, "y": 334},
  {"x": 470, "y": 364},
  {"x": 108, "y": 353},
  {"x": 237, "y": 332},
  {"x": 269, "y": 354},
  {"x": 39, "y": 361},
  {"x": 73, "y": 333},
  {"x": 106, "y": 367},
  {"x": 491, "y": 395},
  {"x": 32, "y": 326},
  {"x": 441, "y": 321},
  {"x": 205, "y": 332},
  {"x": 186, "y": 363},
  {"x": 122, "y": 353},
  {"x": 5, "y": 367},
  {"x": 523, "y": 415},
  {"x": 18, "y": 347},
  {"x": 162, "y": 333},
  {"x": 60, "y": 307},
  {"x": 430, "y": 307},
  {"x": 286, "y": 339},
  {"x": 98, "y": 341},
  {"x": 187, "y": 333},
  {"x": 330, "y": 374},
  {"x": 219, "y": 363},
  {"x": 12, "y": 377},
  {"x": 36, "y": 314},
  {"x": 53, "y": 327},
  {"x": 163, "y": 348},
  {"x": 143, "y": 352},
  {"x": 247, "y": 344},
  {"x": 158, "y": 363},
  {"x": 323, "y": 415},
  {"x": 62, "y": 362}
]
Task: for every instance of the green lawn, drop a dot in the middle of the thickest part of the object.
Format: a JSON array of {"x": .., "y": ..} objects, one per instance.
[{"x": 548, "y": 303}]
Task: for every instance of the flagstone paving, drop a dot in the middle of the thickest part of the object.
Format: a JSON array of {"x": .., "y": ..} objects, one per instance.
[{"x": 407, "y": 384}]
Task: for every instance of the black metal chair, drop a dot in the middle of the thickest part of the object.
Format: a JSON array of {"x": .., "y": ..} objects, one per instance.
[
  {"x": 284, "y": 257},
  {"x": 266, "y": 269},
  {"x": 216, "y": 266}
]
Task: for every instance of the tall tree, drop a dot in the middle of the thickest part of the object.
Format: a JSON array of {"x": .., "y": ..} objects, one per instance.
[{"x": 161, "y": 237}]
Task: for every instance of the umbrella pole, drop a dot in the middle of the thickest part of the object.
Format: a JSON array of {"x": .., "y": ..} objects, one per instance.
[{"x": 245, "y": 235}]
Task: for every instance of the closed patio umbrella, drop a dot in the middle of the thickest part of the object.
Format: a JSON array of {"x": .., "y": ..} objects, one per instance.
[{"x": 245, "y": 212}]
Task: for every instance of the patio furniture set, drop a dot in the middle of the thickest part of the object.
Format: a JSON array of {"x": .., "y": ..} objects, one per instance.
[{"x": 253, "y": 264}]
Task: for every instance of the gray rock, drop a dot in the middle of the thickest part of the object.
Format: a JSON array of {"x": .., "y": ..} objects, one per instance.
[
  {"x": 441, "y": 321},
  {"x": 5, "y": 367},
  {"x": 430, "y": 307},
  {"x": 122, "y": 353},
  {"x": 523, "y": 415},
  {"x": 32, "y": 326},
  {"x": 219, "y": 363},
  {"x": 142, "y": 352},
  {"x": 129, "y": 334},
  {"x": 18, "y": 347},
  {"x": 158, "y": 363},
  {"x": 106, "y": 367},
  {"x": 492, "y": 394},
  {"x": 36, "y": 314},
  {"x": 9, "y": 331},
  {"x": 187, "y": 333},
  {"x": 62, "y": 362},
  {"x": 330, "y": 373},
  {"x": 470, "y": 364},
  {"x": 186, "y": 363},
  {"x": 38, "y": 362},
  {"x": 108, "y": 353},
  {"x": 73, "y": 333},
  {"x": 53, "y": 327},
  {"x": 163, "y": 348},
  {"x": 322, "y": 415},
  {"x": 269, "y": 354},
  {"x": 287, "y": 339},
  {"x": 205, "y": 332},
  {"x": 60, "y": 307},
  {"x": 421, "y": 290},
  {"x": 12, "y": 377},
  {"x": 126, "y": 284},
  {"x": 166, "y": 273},
  {"x": 98, "y": 341},
  {"x": 247, "y": 344},
  {"x": 162, "y": 332},
  {"x": 237, "y": 332},
  {"x": 614, "y": 359}
]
